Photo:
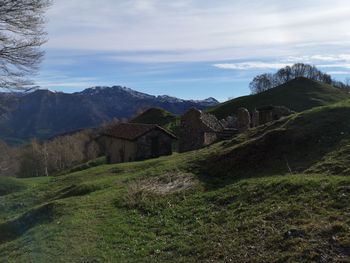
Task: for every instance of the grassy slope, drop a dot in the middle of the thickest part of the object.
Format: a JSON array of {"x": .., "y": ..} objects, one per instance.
[
  {"x": 298, "y": 142},
  {"x": 272, "y": 219},
  {"x": 10, "y": 185},
  {"x": 298, "y": 95},
  {"x": 234, "y": 210}
]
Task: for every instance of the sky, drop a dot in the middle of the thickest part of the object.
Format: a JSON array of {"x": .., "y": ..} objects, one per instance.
[{"x": 191, "y": 49}]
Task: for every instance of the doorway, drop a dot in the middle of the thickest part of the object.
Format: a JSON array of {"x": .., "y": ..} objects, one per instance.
[{"x": 155, "y": 147}]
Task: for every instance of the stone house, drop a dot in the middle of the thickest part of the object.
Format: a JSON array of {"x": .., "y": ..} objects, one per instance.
[
  {"x": 128, "y": 142},
  {"x": 198, "y": 129}
]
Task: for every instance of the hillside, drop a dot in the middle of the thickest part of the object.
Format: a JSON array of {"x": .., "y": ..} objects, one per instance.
[
  {"x": 44, "y": 114},
  {"x": 236, "y": 201},
  {"x": 316, "y": 140},
  {"x": 298, "y": 95}
]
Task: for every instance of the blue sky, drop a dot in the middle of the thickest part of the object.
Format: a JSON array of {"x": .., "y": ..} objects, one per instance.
[{"x": 190, "y": 48}]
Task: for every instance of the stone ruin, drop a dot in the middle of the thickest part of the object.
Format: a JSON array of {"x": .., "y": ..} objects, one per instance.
[
  {"x": 259, "y": 116},
  {"x": 255, "y": 118},
  {"x": 199, "y": 129},
  {"x": 243, "y": 119},
  {"x": 271, "y": 113}
]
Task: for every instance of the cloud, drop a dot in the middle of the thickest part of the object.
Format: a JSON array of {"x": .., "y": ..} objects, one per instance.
[
  {"x": 57, "y": 80},
  {"x": 230, "y": 28},
  {"x": 116, "y": 42},
  {"x": 320, "y": 58},
  {"x": 331, "y": 61},
  {"x": 250, "y": 65},
  {"x": 338, "y": 72}
]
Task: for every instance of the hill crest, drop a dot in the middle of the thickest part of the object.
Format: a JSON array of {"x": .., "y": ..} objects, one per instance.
[{"x": 298, "y": 95}]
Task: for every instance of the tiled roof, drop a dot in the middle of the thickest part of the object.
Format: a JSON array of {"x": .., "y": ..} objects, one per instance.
[{"x": 132, "y": 131}]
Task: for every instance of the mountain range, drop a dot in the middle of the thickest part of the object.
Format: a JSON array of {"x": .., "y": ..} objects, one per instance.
[{"x": 43, "y": 114}]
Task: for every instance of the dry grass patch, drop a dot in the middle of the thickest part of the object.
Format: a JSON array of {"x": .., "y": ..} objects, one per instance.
[
  {"x": 169, "y": 183},
  {"x": 144, "y": 193}
]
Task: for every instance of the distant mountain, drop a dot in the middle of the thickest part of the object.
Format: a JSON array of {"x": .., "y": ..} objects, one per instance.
[
  {"x": 44, "y": 114},
  {"x": 299, "y": 94}
]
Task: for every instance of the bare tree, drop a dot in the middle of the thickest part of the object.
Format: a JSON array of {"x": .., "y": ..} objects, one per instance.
[
  {"x": 9, "y": 163},
  {"x": 268, "y": 81},
  {"x": 261, "y": 83},
  {"x": 56, "y": 155},
  {"x": 21, "y": 35}
]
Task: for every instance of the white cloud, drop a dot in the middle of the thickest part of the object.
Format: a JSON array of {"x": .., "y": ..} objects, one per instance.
[
  {"x": 250, "y": 65},
  {"x": 320, "y": 58},
  {"x": 56, "y": 80},
  {"x": 229, "y": 28},
  {"x": 246, "y": 36},
  {"x": 340, "y": 62},
  {"x": 338, "y": 72}
]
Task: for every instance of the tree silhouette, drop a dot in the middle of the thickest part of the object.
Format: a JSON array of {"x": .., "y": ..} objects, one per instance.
[{"x": 21, "y": 35}]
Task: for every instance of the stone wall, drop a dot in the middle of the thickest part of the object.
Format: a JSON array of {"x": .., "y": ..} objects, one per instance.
[
  {"x": 118, "y": 150},
  {"x": 121, "y": 150},
  {"x": 197, "y": 129},
  {"x": 272, "y": 113},
  {"x": 243, "y": 119},
  {"x": 229, "y": 122},
  {"x": 145, "y": 144},
  {"x": 255, "y": 118}
]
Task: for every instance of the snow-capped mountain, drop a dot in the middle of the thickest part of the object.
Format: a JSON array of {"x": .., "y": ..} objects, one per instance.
[{"x": 43, "y": 113}]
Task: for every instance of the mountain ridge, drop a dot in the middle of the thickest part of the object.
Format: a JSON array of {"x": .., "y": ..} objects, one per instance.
[{"x": 43, "y": 113}]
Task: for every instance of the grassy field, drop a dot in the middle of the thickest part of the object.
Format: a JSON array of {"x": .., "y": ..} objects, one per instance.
[
  {"x": 156, "y": 211},
  {"x": 278, "y": 193}
]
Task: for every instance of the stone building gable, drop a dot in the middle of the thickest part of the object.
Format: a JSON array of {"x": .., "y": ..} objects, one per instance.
[
  {"x": 211, "y": 121},
  {"x": 197, "y": 130}
]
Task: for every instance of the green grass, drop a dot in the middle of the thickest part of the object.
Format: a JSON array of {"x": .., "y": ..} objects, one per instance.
[
  {"x": 89, "y": 217},
  {"x": 314, "y": 141},
  {"x": 235, "y": 201},
  {"x": 298, "y": 95},
  {"x": 9, "y": 185}
]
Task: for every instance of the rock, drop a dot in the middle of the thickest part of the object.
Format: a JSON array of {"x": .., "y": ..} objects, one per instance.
[{"x": 294, "y": 233}]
